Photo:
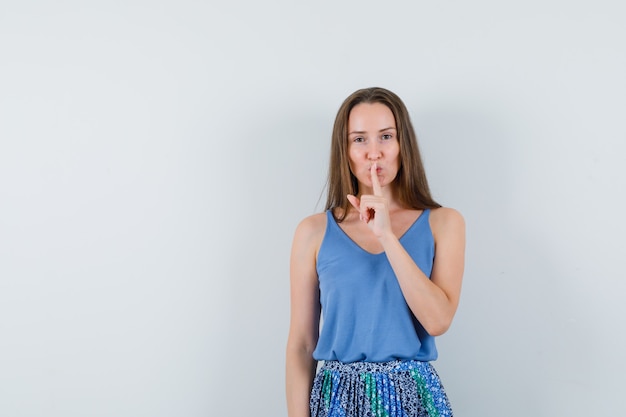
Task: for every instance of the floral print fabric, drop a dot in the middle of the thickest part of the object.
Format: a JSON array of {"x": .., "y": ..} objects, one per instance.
[{"x": 370, "y": 389}]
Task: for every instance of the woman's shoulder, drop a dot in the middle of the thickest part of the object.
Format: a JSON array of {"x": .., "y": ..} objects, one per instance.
[
  {"x": 446, "y": 219},
  {"x": 308, "y": 237},
  {"x": 312, "y": 227}
]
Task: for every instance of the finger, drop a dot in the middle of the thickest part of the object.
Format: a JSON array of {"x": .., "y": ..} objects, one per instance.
[
  {"x": 375, "y": 183},
  {"x": 356, "y": 203}
]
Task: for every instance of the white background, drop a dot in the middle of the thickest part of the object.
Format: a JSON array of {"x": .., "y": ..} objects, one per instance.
[{"x": 156, "y": 157}]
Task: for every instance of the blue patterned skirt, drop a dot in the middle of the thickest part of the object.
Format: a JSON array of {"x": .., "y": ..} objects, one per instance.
[{"x": 378, "y": 389}]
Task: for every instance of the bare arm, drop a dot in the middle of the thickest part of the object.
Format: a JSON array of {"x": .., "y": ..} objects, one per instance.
[
  {"x": 305, "y": 315},
  {"x": 433, "y": 301}
]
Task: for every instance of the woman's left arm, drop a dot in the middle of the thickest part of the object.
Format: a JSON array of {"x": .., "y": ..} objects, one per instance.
[{"x": 433, "y": 301}]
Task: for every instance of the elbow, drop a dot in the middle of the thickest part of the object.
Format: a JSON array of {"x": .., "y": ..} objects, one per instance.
[
  {"x": 300, "y": 347},
  {"x": 436, "y": 330},
  {"x": 437, "y": 327},
  {"x": 305, "y": 351}
]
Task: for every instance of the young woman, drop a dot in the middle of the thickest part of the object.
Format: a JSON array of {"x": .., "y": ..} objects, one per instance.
[{"x": 383, "y": 265}]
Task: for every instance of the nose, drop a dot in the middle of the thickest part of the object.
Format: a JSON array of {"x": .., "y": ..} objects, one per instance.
[{"x": 373, "y": 151}]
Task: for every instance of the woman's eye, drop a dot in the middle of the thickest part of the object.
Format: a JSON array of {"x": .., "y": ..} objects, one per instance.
[
  {"x": 358, "y": 139},
  {"x": 387, "y": 136}
]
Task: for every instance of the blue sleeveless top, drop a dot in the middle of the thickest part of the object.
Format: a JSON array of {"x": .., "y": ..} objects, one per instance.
[{"x": 365, "y": 316}]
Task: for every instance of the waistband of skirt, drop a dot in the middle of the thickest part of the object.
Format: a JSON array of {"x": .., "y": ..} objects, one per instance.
[{"x": 375, "y": 367}]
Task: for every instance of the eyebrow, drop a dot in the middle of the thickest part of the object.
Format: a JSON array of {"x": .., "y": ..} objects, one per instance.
[{"x": 359, "y": 132}]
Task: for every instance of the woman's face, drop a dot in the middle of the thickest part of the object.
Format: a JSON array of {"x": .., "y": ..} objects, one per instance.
[{"x": 373, "y": 138}]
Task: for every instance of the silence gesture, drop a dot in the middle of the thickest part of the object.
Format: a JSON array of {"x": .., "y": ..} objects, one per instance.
[{"x": 373, "y": 209}]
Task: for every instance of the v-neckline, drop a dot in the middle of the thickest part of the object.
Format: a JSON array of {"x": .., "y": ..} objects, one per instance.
[{"x": 344, "y": 233}]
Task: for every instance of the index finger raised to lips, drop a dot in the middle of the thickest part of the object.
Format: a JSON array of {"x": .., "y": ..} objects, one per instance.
[{"x": 375, "y": 183}]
